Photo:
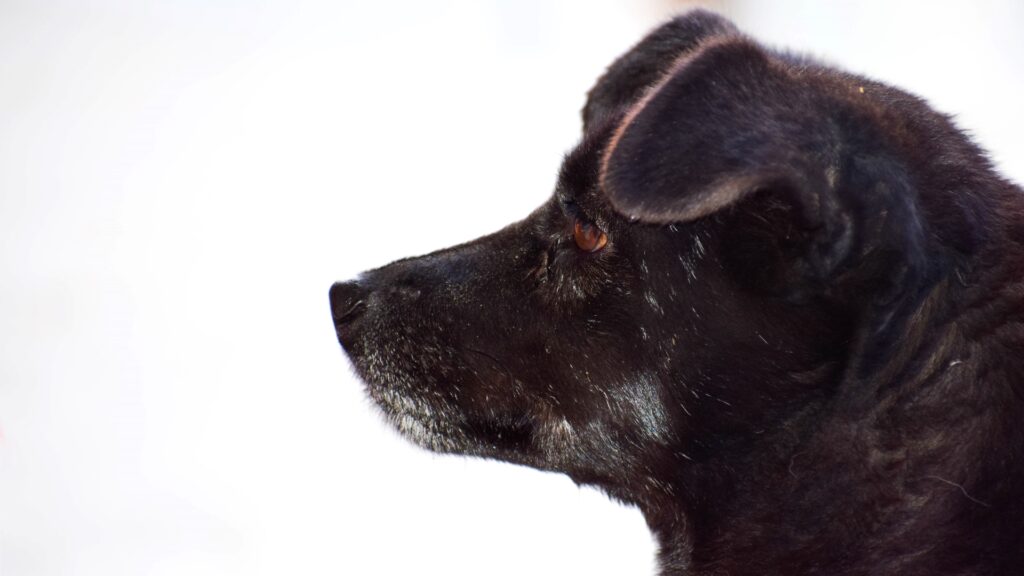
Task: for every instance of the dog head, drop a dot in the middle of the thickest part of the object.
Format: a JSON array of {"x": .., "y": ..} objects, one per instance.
[{"x": 736, "y": 232}]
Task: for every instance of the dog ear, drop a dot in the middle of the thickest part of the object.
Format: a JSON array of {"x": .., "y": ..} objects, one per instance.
[
  {"x": 724, "y": 122},
  {"x": 807, "y": 178},
  {"x": 728, "y": 121},
  {"x": 625, "y": 81}
]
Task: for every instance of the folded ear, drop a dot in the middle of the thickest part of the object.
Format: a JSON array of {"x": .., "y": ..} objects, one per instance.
[
  {"x": 727, "y": 121},
  {"x": 730, "y": 121},
  {"x": 625, "y": 81},
  {"x": 724, "y": 122}
]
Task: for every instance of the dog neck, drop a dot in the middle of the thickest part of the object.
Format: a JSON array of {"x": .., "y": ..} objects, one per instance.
[{"x": 908, "y": 471}]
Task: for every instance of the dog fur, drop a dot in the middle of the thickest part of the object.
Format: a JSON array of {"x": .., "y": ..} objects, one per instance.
[{"x": 799, "y": 352}]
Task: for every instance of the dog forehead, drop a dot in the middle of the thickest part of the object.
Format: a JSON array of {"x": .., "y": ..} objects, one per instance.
[{"x": 579, "y": 175}]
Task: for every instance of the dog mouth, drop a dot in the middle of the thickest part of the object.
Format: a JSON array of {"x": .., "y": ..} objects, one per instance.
[
  {"x": 446, "y": 429},
  {"x": 509, "y": 434},
  {"x": 450, "y": 415}
]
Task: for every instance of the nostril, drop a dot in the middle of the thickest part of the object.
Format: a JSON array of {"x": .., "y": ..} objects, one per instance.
[
  {"x": 349, "y": 314},
  {"x": 347, "y": 301}
]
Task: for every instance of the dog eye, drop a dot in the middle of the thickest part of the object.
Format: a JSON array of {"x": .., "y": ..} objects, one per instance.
[{"x": 588, "y": 236}]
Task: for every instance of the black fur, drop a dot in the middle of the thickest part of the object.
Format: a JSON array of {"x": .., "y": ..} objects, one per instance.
[{"x": 800, "y": 351}]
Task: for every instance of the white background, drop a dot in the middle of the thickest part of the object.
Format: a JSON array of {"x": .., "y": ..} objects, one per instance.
[{"x": 180, "y": 183}]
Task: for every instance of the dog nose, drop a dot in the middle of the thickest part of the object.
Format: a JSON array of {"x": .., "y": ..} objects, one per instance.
[{"x": 348, "y": 300}]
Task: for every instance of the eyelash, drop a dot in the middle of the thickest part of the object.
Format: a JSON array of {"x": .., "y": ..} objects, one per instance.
[{"x": 579, "y": 219}]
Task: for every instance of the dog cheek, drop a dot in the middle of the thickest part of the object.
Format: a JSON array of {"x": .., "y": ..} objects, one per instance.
[
  {"x": 642, "y": 409},
  {"x": 606, "y": 417},
  {"x": 576, "y": 279}
]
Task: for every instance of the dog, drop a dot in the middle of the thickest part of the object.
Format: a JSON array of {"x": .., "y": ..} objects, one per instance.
[{"x": 776, "y": 306}]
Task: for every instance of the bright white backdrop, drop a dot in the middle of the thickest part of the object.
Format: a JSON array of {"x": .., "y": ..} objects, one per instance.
[{"x": 180, "y": 183}]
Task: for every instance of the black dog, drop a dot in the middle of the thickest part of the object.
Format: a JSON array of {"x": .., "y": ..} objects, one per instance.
[{"x": 776, "y": 306}]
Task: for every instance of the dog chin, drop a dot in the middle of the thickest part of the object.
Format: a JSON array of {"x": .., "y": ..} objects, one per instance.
[
  {"x": 418, "y": 421},
  {"x": 444, "y": 430}
]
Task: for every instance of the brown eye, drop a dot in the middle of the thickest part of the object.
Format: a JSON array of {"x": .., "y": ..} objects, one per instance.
[{"x": 589, "y": 237}]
